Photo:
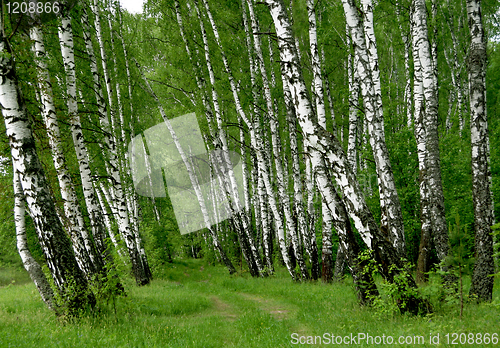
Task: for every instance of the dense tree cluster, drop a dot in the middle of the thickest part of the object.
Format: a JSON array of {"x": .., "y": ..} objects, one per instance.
[{"x": 359, "y": 125}]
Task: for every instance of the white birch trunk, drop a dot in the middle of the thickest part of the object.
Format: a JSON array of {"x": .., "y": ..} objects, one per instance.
[
  {"x": 371, "y": 46},
  {"x": 140, "y": 269},
  {"x": 423, "y": 262},
  {"x": 307, "y": 233},
  {"x": 430, "y": 124},
  {"x": 367, "y": 67},
  {"x": 353, "y": 78},
  {"x": 192, "y": 176},
  {"x": 407, "y": 47},
  {"x": 128, "y": 191},
  {"x": 327, "y": 260},
  {"x": 276, "y": 146},
  {"x": 455, "y": 63},
  {"x": 241, "y": 222},
  {"x": 331, "y": 150},
  {"x": 29, "y": 263},
  {"x": 88, "y": 260},
  {"x": 51, "y": 236},
  {"x": 482, "y": 280}
]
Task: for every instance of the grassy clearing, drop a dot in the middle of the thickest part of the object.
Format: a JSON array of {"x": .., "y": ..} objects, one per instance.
[
  {"x": 195, "y": 305},
  {"x": 13, "y": 275}
]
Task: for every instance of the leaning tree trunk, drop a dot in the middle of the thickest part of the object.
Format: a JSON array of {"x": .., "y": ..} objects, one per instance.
[
  {"x": 365, "y": 50},
  {"x": 242, "y": 218},
  {"x": 98, "y": 216},
  {"x": 56, "y": 247},
  {"x": 32, "y": 267},
  {"x": 86, "y": 255},
  {"x": 482, "y": 280},
  {"x": 192, "y": 177},
  {"x": 141, "y": 274},
  {"x": 320, "y": 140},
  {"x": 307, "y": 233},
  {"x": 241, "y": 223},
  {"x": 276, "y": 146},
  {"x": 128, "y": 190}
]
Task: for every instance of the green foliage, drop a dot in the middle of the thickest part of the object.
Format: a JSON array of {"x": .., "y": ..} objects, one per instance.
[
  {"x": 493, "y": 100},
  {"x": 446, "y": 284},
  {"x": 496, "y": 245},
  {"x": 398, "y": 296},
  {"x": 460, "y": 258}
]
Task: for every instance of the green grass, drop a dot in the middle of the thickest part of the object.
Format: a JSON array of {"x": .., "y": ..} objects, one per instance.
[
  {"x": 13, "y": 275},
  {"x": 195, "y": 305}
]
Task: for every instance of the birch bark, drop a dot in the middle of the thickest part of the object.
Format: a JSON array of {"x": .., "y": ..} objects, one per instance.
[
  {"x": 308, "y": 235},
  {"x": 407, "y": 48},
  {"x": 29, "y": 263},
  {"x": 249, "y": 250},
  {"x": 423, "y": 262},
  {"x": 353, "y": 78},
  {"x": 327, "y": 253},
  {"x": 55, "y": 244},
  {"x": 331, "y": 150},
  {"x": 192, "y": 176},
  {"x": 139, "y": 267},
  {"x": 422, "y": 53},
  {"x": 482, "y": 280},
  {"x": 126, "y": 184},
  {"x": 276, "y": 145},
  {"x": 88, "y": 259},
  {"x": 367, "y": 68}
]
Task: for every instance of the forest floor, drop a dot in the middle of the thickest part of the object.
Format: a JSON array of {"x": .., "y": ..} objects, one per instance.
[{"x": 194, "y": 305}]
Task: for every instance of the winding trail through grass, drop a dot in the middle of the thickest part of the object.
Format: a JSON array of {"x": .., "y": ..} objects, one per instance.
[{"x": 194, "y": 305}]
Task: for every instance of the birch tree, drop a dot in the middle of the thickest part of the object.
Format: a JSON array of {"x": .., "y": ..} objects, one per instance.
[
  {"x": 30, "y": 264},
  {"x": 248, "y": 247},
  {"x": 330, "y": 149},
  {"x": 276, "y": 147},
  {"x": 426, "y": 128},
  {"x": 192, "y": 177},
  {"x": 482, "y": 279},
  {"x": 139, "y": 267},
  {"x": 55, "y": 244},
  {"x": 85, "y": 252},
  {"x": 367, "y": 67},
  {"x": 326, "y": 258}
]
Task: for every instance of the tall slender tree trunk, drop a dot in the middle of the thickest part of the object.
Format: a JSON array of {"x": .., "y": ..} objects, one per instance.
[
  {"x": 423, "y": 262},
  {"x": 484, "y": 267},
  {"x": 55, "y": 244},
  {"x": 241, "y": 223},
  {"x": 320, "y": 140},
  {"x": 289, "y": 222},
  {"x": 407, "y": 49},
  {"x": 85, "y": 252},
  {"x": 367, "y": 66},
  {"x": 307, "y": 233},
  {"x": 326, "y": 253},
  {"x": 353, "y": 77},
  {"x": 128, "y": 190},
  {"x": 30, "y": 264},
  {"x": 141, "y": 273},
  {"x": 192, "y": 177},
  {"x": 432, "y": 198}
]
